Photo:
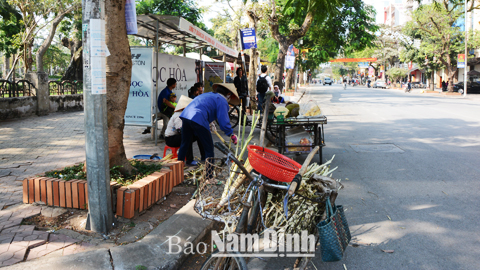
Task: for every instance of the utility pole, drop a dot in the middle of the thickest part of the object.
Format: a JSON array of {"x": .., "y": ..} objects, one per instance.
[
  {"x": 466, "y": 56},
  {"x": 100, "y": 215}
]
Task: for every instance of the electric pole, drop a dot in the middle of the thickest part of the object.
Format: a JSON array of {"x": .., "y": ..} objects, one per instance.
[{"x": 100, "y": 215}]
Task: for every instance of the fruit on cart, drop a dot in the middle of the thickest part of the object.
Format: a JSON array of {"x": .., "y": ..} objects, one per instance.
[
  {"x": 293, "y": 110},
  {"x": 305, "y": 141},
  {"x": 313, "y": 111}
]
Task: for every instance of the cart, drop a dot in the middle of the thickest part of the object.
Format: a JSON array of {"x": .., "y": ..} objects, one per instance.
[{"x": 313, "y": 125}]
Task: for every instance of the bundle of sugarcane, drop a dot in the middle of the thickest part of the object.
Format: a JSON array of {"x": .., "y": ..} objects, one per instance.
[
  {"x": 220, "y": 198},
  {"x": 307, "y": 208}
]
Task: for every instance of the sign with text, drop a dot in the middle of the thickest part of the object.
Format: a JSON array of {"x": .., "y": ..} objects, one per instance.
[
  {"x": 141, "y": 98},
  {"x": 180, "y": 68},
  {"x": 200, "y": 34},
  {"x": 461, "y": 61},
  {"x": 131, "y": 17},
  {"x": 249, "y": 40},
  {"x": 213, "y": 74}
]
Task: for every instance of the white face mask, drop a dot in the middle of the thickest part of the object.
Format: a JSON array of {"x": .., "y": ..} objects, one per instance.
[{"x": 228, "y": 96}]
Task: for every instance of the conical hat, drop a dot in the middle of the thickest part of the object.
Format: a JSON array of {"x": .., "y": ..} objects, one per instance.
[
  {"x": 235, "y": 100},
  {"x": 182, "y": 103}
]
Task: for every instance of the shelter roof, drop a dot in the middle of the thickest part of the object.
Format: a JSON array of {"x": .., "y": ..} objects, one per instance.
[{"x": 177, "y": 31}]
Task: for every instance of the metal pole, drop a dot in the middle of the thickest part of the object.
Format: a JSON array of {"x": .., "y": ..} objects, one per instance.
[
  {"x": 100, "y": 214},
  {"x": 296, "y": 73},
  {"x": 466, "y": 56},
  {"x": 155, "y": 126},
  {"x": 224, "y": 59}
]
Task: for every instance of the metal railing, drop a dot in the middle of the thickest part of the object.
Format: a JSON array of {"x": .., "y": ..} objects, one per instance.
[
  {"x": 21, "y": 88},
  {"x": 65, "y": 87}
]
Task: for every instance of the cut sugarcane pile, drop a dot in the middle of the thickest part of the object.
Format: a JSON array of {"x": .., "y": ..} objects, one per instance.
[
  {"x": 220, "y": 198},
  {"x": 306, "y": 209}
]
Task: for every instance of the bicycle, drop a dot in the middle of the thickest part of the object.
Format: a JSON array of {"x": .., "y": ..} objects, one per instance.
[
  {"x": 344, "y": 86},
  {"x": 251, "y": 219}
]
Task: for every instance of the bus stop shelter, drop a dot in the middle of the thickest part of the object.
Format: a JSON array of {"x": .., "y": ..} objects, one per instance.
[{"x": 165, "y": 29}]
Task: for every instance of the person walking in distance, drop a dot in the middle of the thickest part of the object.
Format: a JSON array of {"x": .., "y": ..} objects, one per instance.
[
  {"x": 241, "y": 84},
  {"x": 264, "y": 83}
]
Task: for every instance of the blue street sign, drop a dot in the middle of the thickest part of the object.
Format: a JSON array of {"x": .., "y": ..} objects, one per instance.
[{"x": 249, "y": 40}]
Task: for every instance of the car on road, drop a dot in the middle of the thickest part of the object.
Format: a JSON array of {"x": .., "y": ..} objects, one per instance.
[
  {"x": 327, "y": 81},
  {"x": 379, "y": 84},
  {"x": 472, "y": 88}
]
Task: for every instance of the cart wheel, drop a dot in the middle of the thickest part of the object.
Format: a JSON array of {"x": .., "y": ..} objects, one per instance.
[{"x": 231, "y": 263}]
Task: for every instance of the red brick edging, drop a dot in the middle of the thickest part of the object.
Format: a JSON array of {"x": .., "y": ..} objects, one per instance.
[{"x": 136, "y": 197}]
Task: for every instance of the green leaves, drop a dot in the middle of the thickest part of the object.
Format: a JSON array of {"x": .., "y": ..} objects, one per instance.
[{"x": 348, "y": 31}]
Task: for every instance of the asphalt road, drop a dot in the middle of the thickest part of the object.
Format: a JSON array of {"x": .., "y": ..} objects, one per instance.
[{"x": 412, "y": 161}]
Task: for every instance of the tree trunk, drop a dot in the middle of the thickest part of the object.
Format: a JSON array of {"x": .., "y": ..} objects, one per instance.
[
  {"x": 119, "y": 71},
  {"x": 6, "y": 67},
  {"x": 432, "y": 80},
  {"x": 253, "y": 67},
  {"x": 280, "y": 65},
  {"x": 289, "y": 79},
  {"x": 300, "y": 75},
  {"x": 46, "y": 43},
  {"x": 450, "y": 72},
  {"x": 75, "y": 68},
  {"x": 12, "y": 71}
]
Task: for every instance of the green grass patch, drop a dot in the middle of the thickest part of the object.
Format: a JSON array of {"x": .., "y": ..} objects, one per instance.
[{"x": 142, "y": 169}]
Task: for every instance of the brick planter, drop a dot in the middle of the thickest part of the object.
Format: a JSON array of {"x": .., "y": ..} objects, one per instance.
[{"x": 126, "y": 200}]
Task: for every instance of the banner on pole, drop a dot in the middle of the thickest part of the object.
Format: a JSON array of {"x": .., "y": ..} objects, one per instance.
[
  {"x": 131, "y": 17},
  {"x": 213, "y": 74},
  {"x": 289, "y": 62},
  {"x": 141, "y": 97},
  {"x": 461, "y": 61},
  {"x": 248, "y": 37}
]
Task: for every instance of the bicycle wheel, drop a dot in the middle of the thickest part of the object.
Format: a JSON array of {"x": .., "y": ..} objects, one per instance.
[
  {"x": 234, "y": 115},
  {"x": 225, "y": 263}
]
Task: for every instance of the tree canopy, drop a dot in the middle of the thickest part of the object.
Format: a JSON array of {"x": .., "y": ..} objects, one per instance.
[{"x": 349, "y": 30}]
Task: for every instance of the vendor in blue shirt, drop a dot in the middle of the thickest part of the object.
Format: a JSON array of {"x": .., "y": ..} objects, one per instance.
[
  {"x": 203, "y": 110},
  {"x": 162, "y": 101}
]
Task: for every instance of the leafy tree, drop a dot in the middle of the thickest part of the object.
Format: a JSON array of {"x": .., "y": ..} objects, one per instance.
[
  {"x": 388, "y": 45},
  {"x": 441, "y": 36},
  {"x": 349, "y": 30},
  {"x": 55, "y": 57},
  {"x": 183, "y": 8},
  {"x": 10, "y": 27},
  {"x": 397, "y": 73},
  {"x": 290, "y": 21}
]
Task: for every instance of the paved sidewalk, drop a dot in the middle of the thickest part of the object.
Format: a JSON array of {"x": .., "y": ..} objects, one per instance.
[{"x": 33, "y": 145}]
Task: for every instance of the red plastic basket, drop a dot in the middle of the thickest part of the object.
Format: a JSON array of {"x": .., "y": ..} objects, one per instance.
[{"x": 272, "y": 164}]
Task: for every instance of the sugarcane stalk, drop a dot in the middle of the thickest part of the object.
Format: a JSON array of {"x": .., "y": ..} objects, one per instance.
[
  {"x": 235, "y": 167},
  {"x": 235, "y": 185},
  {"x": 239, "y": 128}
]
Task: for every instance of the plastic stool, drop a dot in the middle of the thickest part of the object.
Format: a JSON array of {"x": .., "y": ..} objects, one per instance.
[{"x": 173, "y": 149}]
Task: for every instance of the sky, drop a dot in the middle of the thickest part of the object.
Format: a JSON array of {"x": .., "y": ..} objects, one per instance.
[{"x": 214, "y": 7}]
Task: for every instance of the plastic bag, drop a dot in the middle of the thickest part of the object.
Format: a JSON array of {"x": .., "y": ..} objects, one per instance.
[
  {"x": 309, "y": 109},
  {"x": 298, "y": 136}
]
